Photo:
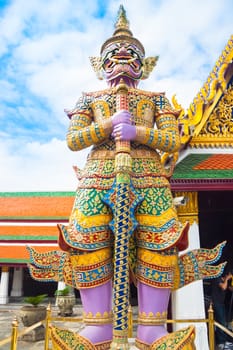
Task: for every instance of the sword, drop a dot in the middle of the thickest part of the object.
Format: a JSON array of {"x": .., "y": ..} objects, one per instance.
[{"x": 122, "y": 198}]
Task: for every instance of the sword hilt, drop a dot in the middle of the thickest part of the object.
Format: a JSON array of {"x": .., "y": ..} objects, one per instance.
[
  {"x": 123, "y": 161},
  {"x": 122, "y": 102}
]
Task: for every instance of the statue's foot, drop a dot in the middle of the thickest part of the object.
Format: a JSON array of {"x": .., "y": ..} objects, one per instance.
[
  {"x": 67, "y": 340},
  {"x": 149, "y": 334},
  {"x": 182, "y": 339},
  {"x": 97, "y": 334}
]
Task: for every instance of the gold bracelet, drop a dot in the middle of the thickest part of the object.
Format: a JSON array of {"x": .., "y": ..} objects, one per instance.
[
  {"x": 151, "y": 319},
  {"x": 140, "y": 133},
  {"x": 98, "y": 318}
]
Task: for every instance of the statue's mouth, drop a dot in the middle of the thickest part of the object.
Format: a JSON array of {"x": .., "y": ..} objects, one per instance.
[
  {"x": 122, "y": 60},
  {"x": 120, "y": 65}
]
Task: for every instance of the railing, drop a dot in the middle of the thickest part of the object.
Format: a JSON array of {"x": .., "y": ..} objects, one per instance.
[{"x": 15, "y": 334}]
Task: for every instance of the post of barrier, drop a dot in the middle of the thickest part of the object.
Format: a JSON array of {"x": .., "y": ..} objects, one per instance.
[
  {"x": 47, "y": 321},
  {"x": 130, "y": 322},
  {"x": 14, "y": 334},
  {"x": 211, "y": 327}
]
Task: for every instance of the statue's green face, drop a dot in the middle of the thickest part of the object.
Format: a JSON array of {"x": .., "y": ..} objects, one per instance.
[{"x": 122, "y": 60}]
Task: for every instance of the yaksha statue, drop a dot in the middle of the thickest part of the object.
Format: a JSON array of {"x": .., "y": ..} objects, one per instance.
[{"x": 124, "y": 226}]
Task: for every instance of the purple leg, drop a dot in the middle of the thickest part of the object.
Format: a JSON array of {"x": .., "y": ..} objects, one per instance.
[
  {"x": 152, "y": 299},
  {"x": 97, "y": 299}
]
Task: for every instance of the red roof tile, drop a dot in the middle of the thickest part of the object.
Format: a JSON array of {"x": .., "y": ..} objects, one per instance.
[{"x": 216, "y": 162}]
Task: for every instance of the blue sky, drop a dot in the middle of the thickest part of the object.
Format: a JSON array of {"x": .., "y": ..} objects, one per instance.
[{"x": 45, "y": 47}]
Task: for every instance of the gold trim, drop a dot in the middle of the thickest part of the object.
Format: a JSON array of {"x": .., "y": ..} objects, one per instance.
[
  {"x": 98, "y": 318},
  {"x": 206, "y": 100},
  {"x": 90, "y": 259},
  {"x": 188, "y": 211},
  {"x": 181, "y": 339},
  {"x": 103, "y": 346},
  {"x": 59, "y": 343},
  {"x": 135, "y": 153},
  {"x": 142, "y": 345},
  {"x": 120, "y": 340},
  {"x": 94, "y": 220},
  {"x": 154, "y": 258},
  {"x": 211, "y": 141},
  {"x": 152, "y": 319},
  {"x": 5, "y": 268},
  {"x": 140, "y": 133},
  {"x": 157, "y": 221},
  {"x": 107, "y": 125}
]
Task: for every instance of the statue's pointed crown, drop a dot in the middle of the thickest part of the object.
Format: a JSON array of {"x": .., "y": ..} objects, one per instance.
[
  {"x": 122, "y": 23},
  {"x": 122, "y": 32}
]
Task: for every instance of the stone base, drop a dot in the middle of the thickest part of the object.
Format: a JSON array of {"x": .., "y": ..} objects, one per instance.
[
  {"x": 35, "y": 335},
  {"x": 131, "y": 344}
]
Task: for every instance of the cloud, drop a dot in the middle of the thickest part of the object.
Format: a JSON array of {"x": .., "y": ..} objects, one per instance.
[
  {"x": 44, "y": 67},
  {"x": 34, "y": 166}
]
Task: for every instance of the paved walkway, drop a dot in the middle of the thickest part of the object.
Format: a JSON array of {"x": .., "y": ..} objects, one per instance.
[
  {"x": 7, "y": 314},
  {"x": 12, "y": 310}
]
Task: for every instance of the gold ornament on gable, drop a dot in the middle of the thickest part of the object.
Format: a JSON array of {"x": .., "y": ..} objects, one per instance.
[{"x": 200, "y": 111}]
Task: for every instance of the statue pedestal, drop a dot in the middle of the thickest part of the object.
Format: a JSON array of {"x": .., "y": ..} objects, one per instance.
[
  {"x": 131, "y": 343},
  {"x": 35, "y": 335}
]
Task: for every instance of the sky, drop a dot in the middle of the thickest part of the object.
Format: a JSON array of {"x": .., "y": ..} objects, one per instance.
[{"x": 45, "y": 47}]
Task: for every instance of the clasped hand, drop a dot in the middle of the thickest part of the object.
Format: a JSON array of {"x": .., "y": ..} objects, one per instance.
[{"x": 123, "y": 128}]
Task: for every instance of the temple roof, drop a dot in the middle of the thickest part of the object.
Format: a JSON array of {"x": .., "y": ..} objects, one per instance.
[
  {"x": 208, "y": 122},
  {"x": 28, "y": 233},
  {"x": 30, "y": 218},
  {"x": 208, "y": 125},
  {"x": 33, "y": 206},
  {"x": 18, "y": 255},
  {"x": 204, "y": 172}
]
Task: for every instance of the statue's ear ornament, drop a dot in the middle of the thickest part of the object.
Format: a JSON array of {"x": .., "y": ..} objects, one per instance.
[
  {"x": 96, "y": 63},
  {"x": 148, "y": 65}
]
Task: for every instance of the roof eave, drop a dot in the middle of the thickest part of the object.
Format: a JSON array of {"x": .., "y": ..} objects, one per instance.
[{"x": 202, "y": 184}]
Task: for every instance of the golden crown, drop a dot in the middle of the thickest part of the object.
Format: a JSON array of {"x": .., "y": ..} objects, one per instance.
[{"x": 122, "y": 32}]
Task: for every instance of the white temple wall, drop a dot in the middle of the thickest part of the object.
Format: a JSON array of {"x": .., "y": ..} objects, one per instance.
[{"x": 188, "y": 302}]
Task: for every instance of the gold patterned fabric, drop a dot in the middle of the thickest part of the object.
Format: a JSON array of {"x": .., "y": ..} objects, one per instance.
[
  {"x": 198, "y": 264},
  {"x": 156, "y": 269},
  {"x": 78, "y": 270},
  {"x": 161, "y": 269},
  {"x": 157, "y": 131},
  {"x": 159, "y": 232},
  {"x": 168, "y": 270},
  {"x": 182, "y": 339},
  {"x": 64, "y": 339}
]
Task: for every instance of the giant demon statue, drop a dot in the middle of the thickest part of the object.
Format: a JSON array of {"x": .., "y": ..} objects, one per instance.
[{"x": 124, "y": 226}]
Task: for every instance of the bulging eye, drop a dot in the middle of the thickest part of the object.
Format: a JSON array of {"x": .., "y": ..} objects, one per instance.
[
  {"x": 114, "y": 52},
  {"x": 131, "y": 52}
]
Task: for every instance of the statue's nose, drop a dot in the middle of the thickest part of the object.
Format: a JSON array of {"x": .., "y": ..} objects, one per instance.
[{"x": 122, "y": 51}]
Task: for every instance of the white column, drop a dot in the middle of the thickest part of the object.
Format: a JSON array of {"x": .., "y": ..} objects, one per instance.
[
  {"x": 17, "y": 285},
  {"x": 4, "y": 283},
  {"x": 61, "y": 285},
  {"x": 188, "y": 302}
]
